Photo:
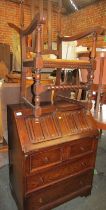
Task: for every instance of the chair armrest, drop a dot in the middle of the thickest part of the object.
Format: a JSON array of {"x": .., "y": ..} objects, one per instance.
[
  {"x": 16, "y": 28},
  {"x": 96, "y": 30},
  {"x": 32, "y": 26}
]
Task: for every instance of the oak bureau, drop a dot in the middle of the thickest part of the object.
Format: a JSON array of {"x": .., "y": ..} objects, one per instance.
[
  {"x": 52, "y": 145},
  {"x": 60, "y": 165}
]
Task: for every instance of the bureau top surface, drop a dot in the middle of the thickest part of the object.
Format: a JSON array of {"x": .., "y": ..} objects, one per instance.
[{"x": 66, "y": 122}]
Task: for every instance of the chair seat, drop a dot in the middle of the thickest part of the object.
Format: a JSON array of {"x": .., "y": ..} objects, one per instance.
[{"x": 59, "y": 63}]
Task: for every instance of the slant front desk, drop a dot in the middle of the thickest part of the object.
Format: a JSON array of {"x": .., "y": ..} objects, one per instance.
[
  {"x": 52, "y": 146},
  {"x": 51, "y": 161}
]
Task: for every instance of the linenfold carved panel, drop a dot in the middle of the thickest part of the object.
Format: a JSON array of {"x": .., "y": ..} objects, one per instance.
[{"x": 62, "y": 124}]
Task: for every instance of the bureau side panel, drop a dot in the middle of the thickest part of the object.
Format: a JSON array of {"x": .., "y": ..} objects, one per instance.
[{"x": 16, "y": 162}]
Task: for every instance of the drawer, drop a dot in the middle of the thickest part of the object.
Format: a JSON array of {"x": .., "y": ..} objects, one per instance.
[
  {"x": 44, "y": 159},
  {"x": 33, "y": 182},
  {"x": 59, "y": 192},
  {"x": 59, "y": 172},
  {"x": 82, "y": 146},
  {"x": 67, "y": 169},
  {"x": 78, "y": 148}
]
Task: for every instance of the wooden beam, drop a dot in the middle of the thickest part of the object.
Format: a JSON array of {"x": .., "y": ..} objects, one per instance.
[
  {"x": 41, "y": 8},
  {"x": 100, "y": 83},
  {"x": 41, "y": 16},
  {"x": 49, "y": 24},
  {"x": 33, "y": 11},
  {"x": 21, "y": 14},
  {"x": 59, "y": 16}
]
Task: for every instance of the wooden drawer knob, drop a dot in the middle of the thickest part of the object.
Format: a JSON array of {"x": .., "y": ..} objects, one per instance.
[
  {"x": 84, "y": 164},
  {"x": 46, "y": 159},
  {"x": 82, "y": 149},
  {"x": 40, "y": 200},
  {"x": 81, "y": 183},
  {"x": 41, "y": 179}
]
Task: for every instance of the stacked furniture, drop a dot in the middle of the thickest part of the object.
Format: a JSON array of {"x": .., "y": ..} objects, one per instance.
[{"x": 52, "y": 146}]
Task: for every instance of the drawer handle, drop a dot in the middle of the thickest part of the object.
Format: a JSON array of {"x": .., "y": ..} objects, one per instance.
[
  {"x": 40, "y": 200},
  {"x": 81, "y": 183},
  {"x": 84, "y": 164},
  {"x": 82, "y": 148},
  {"x": 41, "y": 179},
  {"x": 46, "y": 159}
]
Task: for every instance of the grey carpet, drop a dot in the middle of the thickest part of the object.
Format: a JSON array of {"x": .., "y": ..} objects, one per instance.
[{"x": 96, "y": 201}]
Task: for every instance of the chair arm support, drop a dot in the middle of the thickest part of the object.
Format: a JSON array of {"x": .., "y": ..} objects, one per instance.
[
  {"x": 96, "y": 30},
  {"x": 16, "y": 28},
  {"x": 32, "y": 26}
]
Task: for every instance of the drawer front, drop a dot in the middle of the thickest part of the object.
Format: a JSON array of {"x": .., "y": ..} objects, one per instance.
[
  {"x": 59, "y": 192},
  {"x": 44, "y": 159},
  {"x": 81, "y": 147},
  {"x": 33, "y": 182},
  {"x": 59, "y": 172},
  {"x": 78, "y": 148}
]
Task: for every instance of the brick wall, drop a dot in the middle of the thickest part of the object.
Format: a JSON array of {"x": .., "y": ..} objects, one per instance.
[
  {"x": 76, "y": 22},
  {"x": 94, "y": 15},
  {"x": 9, "y": 12}
]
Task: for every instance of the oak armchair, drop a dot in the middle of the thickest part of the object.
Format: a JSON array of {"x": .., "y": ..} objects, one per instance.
[{"x": 37, "y": 63}]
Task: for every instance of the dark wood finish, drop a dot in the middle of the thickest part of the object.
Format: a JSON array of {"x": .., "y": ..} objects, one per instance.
[
  {"x": 5, "y": 55},
  {"x": 41, "y": 5},
  {"x": 33, "y": 12},
  {"x": 52, "y": 146},
  {"x": 100, "y": 83},
  {"x": 50, "y": 198},
  {"x": 49, "y": 25},
  {"x": 59, "y": 16},
  {"x": 37, "y": 63},
  {"x": 55, "y": 156}
]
